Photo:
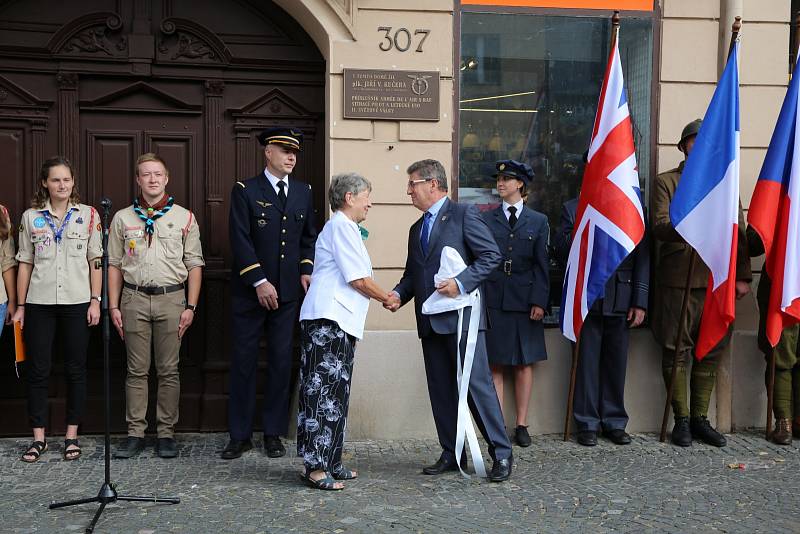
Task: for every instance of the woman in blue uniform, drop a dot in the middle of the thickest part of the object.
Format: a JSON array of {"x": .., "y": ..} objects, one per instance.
[{"x": 516, "y": 293}]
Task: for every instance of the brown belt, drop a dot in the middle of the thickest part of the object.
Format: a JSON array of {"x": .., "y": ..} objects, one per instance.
[{"x": 153, "y": 290}]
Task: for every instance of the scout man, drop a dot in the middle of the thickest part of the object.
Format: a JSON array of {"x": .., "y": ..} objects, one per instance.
[{"x": 153, "y": 249}]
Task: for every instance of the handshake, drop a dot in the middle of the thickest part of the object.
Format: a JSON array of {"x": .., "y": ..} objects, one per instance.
[{"x": 392, "y": 302}]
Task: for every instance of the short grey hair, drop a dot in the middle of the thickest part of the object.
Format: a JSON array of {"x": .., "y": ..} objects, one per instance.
[
  {"x": 430, "y": 169},
  {"x": 347, "y": 182}
]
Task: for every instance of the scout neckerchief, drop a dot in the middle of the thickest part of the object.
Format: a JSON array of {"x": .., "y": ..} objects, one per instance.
[
  {"x": 57, "y": 232},
  {"x": 149, "y": 214}
]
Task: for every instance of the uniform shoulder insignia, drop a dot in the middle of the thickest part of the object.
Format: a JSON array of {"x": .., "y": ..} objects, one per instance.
[{"x": 241, "y": 184}]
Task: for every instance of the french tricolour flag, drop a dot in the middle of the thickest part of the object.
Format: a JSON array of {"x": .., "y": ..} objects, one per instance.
[
  {"x": 705, "y": 208},
  {"x": 775, "y": 215},
  {"x": 609, "y": 221}
]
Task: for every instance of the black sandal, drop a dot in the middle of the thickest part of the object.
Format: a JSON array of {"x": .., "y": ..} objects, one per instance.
[
  {"x": 328, "y": 483},
  {"x": 72, "y": 454},
  {"x": 36, "y": 449},
  {"x": 345, "y": 474}
]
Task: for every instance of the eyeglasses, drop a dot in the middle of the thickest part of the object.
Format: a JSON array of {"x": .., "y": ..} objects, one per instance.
[{"x": 412, "y": 183}]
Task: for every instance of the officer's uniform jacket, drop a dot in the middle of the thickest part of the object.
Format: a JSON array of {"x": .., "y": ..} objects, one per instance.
[
  {"x": 673, "y": 252},
  {"x": 166, "y": 259},
  {"x": 522, "y": 279},
  {"x": 270, "y": 242},
  {"x": 629, "y": 285},
  {"x": 60, "y": 270}
]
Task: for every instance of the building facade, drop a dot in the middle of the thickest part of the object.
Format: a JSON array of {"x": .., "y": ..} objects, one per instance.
[{"x": 105, "y": 80}]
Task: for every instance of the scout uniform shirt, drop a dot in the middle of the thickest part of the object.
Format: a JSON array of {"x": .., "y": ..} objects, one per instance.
[
  {"x": 60, "y": 252},
  {"x": 7, "y": 260},
  {"x": 166, "y": 260}
]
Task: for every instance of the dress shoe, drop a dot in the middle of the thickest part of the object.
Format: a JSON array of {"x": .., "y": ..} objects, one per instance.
[
  {"x": 587, "y": 438},
  {"x": 618, "y": 436},
  {"x": 235, "y": 448},
  {"x": 166, "y": 448},
  {"x": 522, "y": 437},
  {"x": 681, "y": 435},
  {"x": 273, "y": 447},
  {"x": 501, "y": 469},
  {"x": 796, "y": 427},
  {"x": 130, "y": 448},
  {"x": 444, "y": 465},
  {"x": 702, "y": 430},
  {"x": 782, "y": 435}
]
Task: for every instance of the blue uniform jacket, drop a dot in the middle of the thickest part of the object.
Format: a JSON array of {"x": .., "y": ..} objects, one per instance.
[
  {"x": 628, "y": 286},
  {"x": 522, "y": 279},
  {"x": 270, "y": 242}
]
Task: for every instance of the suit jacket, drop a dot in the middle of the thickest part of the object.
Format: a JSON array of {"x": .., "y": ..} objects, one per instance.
[
  {"x": 673, "y": 251},
  {"x": 527, "y": 282},
  {"x": 458, "y": 226},
  {"x": 268, "y": 241},
  {"x": 629, "y": 285}
]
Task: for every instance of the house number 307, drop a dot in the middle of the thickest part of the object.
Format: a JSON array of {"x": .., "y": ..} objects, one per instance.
[{"x": 401, "y": 39}]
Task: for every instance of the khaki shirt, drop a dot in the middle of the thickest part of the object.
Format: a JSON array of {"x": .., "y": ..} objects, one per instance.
[
  {"x": 60, "y": 270},
  {"x": 673, "y": 252},
  {"x": 7, "y": 260},
  {"x": 174, "y": 250}
]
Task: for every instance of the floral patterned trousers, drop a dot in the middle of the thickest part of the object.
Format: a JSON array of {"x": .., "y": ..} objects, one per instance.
[{"x": 326, "y": 366}]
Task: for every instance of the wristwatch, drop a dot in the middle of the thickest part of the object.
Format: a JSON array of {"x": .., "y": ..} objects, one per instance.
[
  {"x": 192, "y": 307},
  {"x": 98, "y": 298}
]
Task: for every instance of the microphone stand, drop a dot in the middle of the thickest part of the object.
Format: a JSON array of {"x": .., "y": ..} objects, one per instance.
[{"x": 108, "y": 492}]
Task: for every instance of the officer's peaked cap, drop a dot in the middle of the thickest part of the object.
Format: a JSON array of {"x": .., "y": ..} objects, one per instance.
[
  {"x": 514, "y": 169},
  {"x": 288, "y": 137}
]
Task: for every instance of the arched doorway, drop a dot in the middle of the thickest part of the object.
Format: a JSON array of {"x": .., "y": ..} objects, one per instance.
[{"x": 104, "y": 81}]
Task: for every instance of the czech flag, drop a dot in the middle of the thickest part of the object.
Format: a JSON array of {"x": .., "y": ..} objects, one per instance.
[
  {"x": 775, "y": 215},
  {"x": 705, "y": 208}
]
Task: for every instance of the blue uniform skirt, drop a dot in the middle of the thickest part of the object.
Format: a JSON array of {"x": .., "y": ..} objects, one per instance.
[{"x": 513, "y": 339}]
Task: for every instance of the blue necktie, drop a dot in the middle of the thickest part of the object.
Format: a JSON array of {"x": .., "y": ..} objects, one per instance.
[{"x": 426, "y": 228}]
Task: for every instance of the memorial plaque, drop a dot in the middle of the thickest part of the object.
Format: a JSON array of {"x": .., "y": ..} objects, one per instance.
[{"x": 391, "y": 95}]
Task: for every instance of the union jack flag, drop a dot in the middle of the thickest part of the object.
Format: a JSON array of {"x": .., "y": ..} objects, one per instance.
[{"x": 609, "y": 221}]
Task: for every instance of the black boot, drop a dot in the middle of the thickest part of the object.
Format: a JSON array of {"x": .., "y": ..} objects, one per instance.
[
  {"x": 702, "y": 430},
  {"x": 681, "y": 435}
]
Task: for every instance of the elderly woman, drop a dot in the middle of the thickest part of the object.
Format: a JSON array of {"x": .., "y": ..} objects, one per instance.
[{"x": 331, "y": 320}]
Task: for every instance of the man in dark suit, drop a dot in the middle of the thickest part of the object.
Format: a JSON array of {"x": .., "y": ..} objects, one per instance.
[
  {"x": 599, "y": 404},
  {"x": 447, "y": 223},
  {"x": 272, "y": 238}
]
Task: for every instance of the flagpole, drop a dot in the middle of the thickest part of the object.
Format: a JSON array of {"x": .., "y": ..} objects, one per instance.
[
  {"x": 576, "y": 346},
  {"x": 737, "y": 25},
  {"x": 678, "y": 345}
]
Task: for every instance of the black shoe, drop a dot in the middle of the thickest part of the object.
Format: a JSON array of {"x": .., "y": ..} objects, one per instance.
[
  {"x": 130, "y": 448},
  {"x": 235, "y": 449},
  {"x": 702, "y": 430},
  {"x": 501, "y": 469},
  {"x": 273, "y": 447},
  {"x": 681, "y": 435},
  {"x": 522, "y": 437},
  {"x": 587, "y": 438},
  {"x": 166, "y": 448},
  {"x": 444, "y": 465},
  {"x": 618, "y": 436}
]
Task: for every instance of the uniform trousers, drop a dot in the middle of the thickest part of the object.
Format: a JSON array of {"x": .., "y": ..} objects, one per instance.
[
  {"x": 599, "y": 402},
  {"x": 325, "y": 377},
  {"x": 704, "y": 372},
  {"x": 45, "y": 323},
  {"x": 439, "y": 353},
  {"x": 150, "y": 323},
  {"x": 250, "y": 321}
]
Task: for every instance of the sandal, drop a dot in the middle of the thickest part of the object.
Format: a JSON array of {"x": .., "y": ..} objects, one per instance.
[
  {"x": 345, "y": 474},
  {"x": 72, "y": 454},
  {"x": 35, "y": 450},
  {"x": 328, "y": 483}
]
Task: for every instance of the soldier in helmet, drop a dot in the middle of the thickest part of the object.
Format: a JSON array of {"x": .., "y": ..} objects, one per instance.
[{"x": 673, "y": 258}]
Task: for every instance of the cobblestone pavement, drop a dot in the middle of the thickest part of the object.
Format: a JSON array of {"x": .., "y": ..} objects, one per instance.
[{"x": 556, "y": 486}]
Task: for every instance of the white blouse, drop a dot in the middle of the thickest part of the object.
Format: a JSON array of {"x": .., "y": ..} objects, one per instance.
[{"x": 340, "y": 257}]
